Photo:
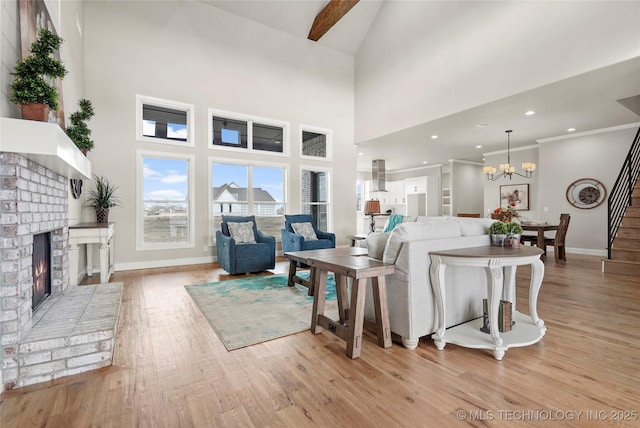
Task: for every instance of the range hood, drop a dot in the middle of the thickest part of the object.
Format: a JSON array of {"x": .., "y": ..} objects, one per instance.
[{"x": 378, "y": 176}]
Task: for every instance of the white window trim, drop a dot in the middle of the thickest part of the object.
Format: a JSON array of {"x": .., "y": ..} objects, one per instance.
[
  {"x": 329, "y": 136},
  {"x": 176, "y": 105},
  {"x": 212, "y": 160},
  {"x": 191, "y": 200},
  {"x": 329, "y": 203},
  {"x": 249, "y": 119}
]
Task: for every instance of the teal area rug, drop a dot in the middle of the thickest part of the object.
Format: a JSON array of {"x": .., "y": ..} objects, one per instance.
[{"x": 247, "y": 311}]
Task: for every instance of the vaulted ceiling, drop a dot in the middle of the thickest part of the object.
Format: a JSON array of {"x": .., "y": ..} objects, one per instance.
[{"x": 584, "y": 102}]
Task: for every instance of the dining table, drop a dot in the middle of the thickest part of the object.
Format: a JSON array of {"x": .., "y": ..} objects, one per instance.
[{"x": 540, "y": 228}]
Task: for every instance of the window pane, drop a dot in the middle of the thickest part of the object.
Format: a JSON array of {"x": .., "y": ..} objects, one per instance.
[
  {"x": 314, "y": 144},
  {"x": 267, "y": 138},
  {"x": 268, "y": 186},
  {"x": 319, "y": 214},
  {"x": 314, "y": 186},
  {"x": 165, "y": 198},
  {"x": 229, "y": 191},
  {"x": 163, "y": 122},
  {"x": 229, "y": 132},
  {"x": 314, "y": 197}
]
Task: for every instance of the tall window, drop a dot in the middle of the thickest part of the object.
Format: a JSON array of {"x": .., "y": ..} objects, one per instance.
[
  {"x": 243, "y": 189},
  {"x": 315, "y": 195},
  {"x": 164, "y": 121},
  {"x": 165, "y": 215},
  {"x": 232, "y": 131}
]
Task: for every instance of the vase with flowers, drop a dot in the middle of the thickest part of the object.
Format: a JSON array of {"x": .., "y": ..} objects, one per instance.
[{"x": 506, "y": 213}]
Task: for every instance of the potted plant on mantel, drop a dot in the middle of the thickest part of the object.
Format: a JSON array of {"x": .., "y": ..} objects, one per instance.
[
  {"x": 102, "y": 197},
  {"x": 30, "y": 89},
  {"x": 78, "y": 131}
]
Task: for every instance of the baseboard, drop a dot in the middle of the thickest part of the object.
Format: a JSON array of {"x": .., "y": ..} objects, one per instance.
[
  {"x": 585, "y": 251},
  {"x": 164, "y": 263}
]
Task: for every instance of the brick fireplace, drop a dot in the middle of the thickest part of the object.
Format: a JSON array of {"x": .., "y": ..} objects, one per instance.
[
  {"x": 33, "y": 200},
  {"x": 72, "y": 329}
]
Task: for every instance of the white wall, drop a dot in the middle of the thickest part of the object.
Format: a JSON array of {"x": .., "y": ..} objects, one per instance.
[
  {"x": 467, "y": 188},
  {"x": 194, "y": 53},
  {"x": 66, "y": 16},
  {"x": 450, "y": 56},
  {"x": 596, "y": 155}
]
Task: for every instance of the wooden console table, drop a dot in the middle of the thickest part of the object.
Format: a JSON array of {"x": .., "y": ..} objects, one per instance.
[
  {"x": 350, "y": 325},
  {"x": 303, "y": 257},
  {"x": 89, "y": 234},
  {"x": 500, "y": 264}
]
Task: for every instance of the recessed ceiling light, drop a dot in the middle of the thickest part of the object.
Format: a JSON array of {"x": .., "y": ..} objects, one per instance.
[
  {"x": 478, "y": 146},
  {"x": 424, "y": 162},
  {"x": 433, "y": 137},
  {"x": 530, "y": 113},
  {"x": 571, "y": 129},
  {"x": 360, "y": 154}
]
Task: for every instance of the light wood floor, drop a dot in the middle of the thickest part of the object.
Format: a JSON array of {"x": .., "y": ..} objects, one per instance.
[{"x": 171, "y": 370}]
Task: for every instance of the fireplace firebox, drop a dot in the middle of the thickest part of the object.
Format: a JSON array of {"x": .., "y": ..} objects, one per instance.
[{"x": 41, "y": 269}]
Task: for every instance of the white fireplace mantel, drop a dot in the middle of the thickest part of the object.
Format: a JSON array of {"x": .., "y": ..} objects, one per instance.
[{"x": 46, "y": 144}]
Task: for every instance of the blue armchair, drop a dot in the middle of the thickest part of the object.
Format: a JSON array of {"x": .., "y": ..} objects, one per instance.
[
  {"x": 236, "y": 253},
  {"x": 292, "y": 241}
]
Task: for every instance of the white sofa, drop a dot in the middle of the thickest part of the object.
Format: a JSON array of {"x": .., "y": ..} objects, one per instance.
[{"x": 409, "y": 293}]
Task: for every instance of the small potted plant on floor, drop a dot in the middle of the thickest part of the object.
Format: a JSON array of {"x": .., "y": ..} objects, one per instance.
[
  {"x": 514, "y": 230},
  {"x": 498, "y": 233},
  {"x": 78, "y": 131},
  {"x": 102, "y": 197},
  {"x": 30, "y": 89}
]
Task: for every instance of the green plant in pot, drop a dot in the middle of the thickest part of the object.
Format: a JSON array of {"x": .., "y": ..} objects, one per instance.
[
  {"x": 78, "y": 131},
  {"x": 31, "y": 88},
  {"x": 514, "y": 230},
  {"x": 102, "y": 197},
  {"x": 498, "y": 233}
]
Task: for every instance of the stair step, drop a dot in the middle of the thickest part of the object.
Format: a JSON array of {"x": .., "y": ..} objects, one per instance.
[
  {"x": 632, "y": 211},
  {"x": 628, "y": 232},
  {"x": 621, "y": 267},
  {"x": 630, "y": 221},
  {"x": 626, "y": 254},
  {"x": 626, "y": 243}
]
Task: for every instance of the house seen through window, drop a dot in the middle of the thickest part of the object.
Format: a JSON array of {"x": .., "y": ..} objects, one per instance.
[{"x": 249, "y": 190}]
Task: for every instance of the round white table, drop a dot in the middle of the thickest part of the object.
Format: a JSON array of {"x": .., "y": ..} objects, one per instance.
[{"x": 500, "y": 264}]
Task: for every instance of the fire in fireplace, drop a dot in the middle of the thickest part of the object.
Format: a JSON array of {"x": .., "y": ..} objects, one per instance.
[{"x": 41, "y": 269}]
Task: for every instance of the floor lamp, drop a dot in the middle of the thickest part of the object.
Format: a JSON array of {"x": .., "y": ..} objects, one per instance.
[{"x": 372, "y": 208}]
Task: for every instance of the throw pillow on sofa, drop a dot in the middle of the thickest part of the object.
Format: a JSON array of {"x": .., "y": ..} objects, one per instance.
[{"x": 376, "y": 243}]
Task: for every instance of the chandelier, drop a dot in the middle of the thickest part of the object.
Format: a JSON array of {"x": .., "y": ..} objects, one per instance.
[{"x": 506, "y": 169}]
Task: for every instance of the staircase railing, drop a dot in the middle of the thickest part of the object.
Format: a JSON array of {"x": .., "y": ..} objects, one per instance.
[{"x": 620, "y": 196}]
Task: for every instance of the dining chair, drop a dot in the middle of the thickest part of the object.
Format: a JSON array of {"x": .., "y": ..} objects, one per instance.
[{"x": 557, "y": 242}]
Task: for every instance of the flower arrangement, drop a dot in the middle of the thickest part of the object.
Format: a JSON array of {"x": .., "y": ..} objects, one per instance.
[{"x": 509, "y": 209}]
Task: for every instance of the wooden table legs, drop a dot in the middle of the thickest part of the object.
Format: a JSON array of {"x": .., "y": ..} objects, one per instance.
[{"x": 351, "y": 313}]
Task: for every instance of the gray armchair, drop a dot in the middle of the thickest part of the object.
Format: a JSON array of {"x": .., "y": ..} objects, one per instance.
[{"x": 236, "y": 253}]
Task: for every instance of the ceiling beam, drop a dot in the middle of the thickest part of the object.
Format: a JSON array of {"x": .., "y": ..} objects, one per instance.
[{"x": 328, "y": 17}]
